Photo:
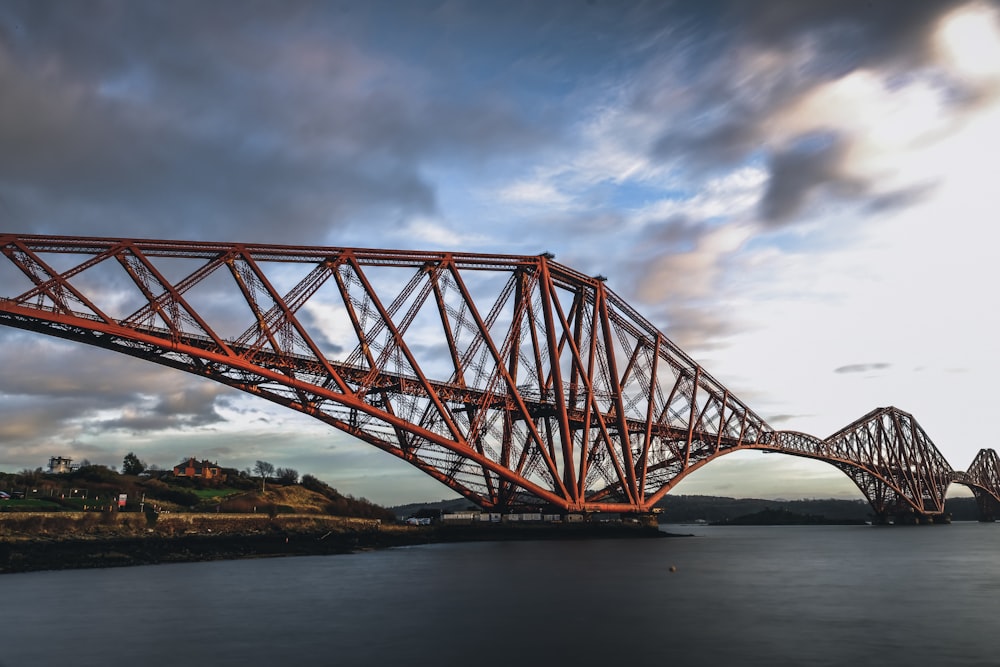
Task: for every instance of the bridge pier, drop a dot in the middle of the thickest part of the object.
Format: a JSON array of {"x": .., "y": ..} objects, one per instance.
[
  {"x": 910, "y": 518},
  {"x": 989, "y": 508},
  {"x": 917, "y": 519},
  {"x": 647, "y": 519}
]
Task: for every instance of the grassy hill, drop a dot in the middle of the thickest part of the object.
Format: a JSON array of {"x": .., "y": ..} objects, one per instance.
[{"x": 97, "y": 487}]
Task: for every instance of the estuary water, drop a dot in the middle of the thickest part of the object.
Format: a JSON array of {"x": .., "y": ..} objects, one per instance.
[{"x": 791, "y": 595}]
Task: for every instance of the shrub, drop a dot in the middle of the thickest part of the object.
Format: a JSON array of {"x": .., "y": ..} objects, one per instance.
[
  {"x": 240, "y": 505},
  {"x": 318, "y": 486},
  {"x": 157, "y": 490},
  {"x": 95, "y": 473}
]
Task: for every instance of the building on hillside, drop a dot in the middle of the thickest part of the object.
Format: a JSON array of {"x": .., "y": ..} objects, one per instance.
[
  {"x": 191, "y": 467},
  {"x": 58, "y": 464}
]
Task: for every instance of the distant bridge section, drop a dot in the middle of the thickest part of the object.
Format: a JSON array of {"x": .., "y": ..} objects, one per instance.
[
  {"x": 983, "y": 477},
  {"x": 513, "y": 380},
  {"x": 887, "y": 454},
  {"x": 891, "y": 459}
]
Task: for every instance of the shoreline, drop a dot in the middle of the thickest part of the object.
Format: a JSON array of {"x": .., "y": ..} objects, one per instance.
[{"x": 210, "y": 537}]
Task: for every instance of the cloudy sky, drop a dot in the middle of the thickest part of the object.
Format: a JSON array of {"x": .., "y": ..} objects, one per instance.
[{"x": 798, "y": 194}]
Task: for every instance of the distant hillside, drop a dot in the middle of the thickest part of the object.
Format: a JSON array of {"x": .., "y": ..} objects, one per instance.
[
  {"x": 962, "y": 509},
  {"x": 782, "y": 517},
  {"x": 688, "y": 509},
  {"x": 410, "y": 509}
]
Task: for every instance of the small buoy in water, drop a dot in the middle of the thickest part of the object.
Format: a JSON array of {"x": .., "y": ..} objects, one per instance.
[{"x": 673, "y": 568}]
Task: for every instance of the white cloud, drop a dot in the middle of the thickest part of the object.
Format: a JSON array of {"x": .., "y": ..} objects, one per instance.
[
  {"x": 425, "y": 233},
  {"x": 732, "y": 195},
  {"x": 968, "y": 39},
  {"x": 533, "y": 193},
  {"x": 911, "y": 289},
  {"x": 695, "y": 273}
]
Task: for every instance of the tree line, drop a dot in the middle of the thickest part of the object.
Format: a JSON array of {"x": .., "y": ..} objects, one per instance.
[{"x": 264, "y": 470}]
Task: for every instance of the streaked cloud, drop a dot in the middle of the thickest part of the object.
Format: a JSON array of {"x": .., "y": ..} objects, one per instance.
[{"x": 862, "y": 368}]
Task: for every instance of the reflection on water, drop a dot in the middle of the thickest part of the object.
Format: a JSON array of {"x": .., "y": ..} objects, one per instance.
[{"x": 739, "y": 596}]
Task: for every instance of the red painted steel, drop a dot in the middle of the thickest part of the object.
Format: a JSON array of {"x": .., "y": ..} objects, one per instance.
[
  {"x": 513, "y": 380},
  {"x": 902, "y": 473}
]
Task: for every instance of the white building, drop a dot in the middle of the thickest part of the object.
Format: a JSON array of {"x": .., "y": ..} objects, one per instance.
[{"x": 58, "y": 464}]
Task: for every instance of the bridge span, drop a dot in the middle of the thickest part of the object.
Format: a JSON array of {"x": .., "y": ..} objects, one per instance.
[{"x": 514, "y": 380}]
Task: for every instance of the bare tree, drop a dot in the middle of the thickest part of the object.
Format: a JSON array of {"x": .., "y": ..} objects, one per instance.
[{"x": 264, "y": 469}]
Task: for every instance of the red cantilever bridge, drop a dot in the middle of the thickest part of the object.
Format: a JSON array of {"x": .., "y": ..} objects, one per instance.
[{"x": 513, "y": 380}]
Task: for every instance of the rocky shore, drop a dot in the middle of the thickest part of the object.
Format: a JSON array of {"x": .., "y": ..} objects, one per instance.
[{"x": 31, "y": 542}]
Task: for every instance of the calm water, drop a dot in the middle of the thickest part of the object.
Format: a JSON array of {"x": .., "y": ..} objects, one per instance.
[{"x": 740, "y": 596}]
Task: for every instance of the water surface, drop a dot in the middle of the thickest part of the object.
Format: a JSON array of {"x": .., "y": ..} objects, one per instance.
[{"x": 790, "y": 595}]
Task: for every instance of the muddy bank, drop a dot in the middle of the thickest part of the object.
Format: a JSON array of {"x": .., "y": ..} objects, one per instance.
[
  {"x": 61, "y": 541},
  {"x": 73, "y": 553},
  {"x": 48, "y": 541}
]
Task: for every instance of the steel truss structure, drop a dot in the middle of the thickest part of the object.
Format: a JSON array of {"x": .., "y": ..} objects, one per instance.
[
  {"x": 890, "y": 458},
  {"x": 983, "y": 477},
  {"x": 514, "y": 380}
]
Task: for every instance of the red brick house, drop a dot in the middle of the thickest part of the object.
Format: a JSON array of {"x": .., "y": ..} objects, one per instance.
[{"x": 191, "y": 467}]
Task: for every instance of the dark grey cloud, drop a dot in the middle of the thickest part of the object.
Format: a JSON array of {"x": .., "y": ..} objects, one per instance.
[
  {"x": 696, "y": 326},
  {"x": 707, "y": 147},
  {"x": 862, "y": 368},
  {"x": 676, "y": 234},
  {"x": 52, "y": 389},
  {"x": 293, "y": 121},
  {"x": 40, "y": 366},
  {"x": 196, "y": 406},
  {"x": 802, "y": 171},
  {"x": 784, "y": 419},
  {"x": 212, "y": 121},
  {"x": 902, "y": 198},
  {"x": 852, "y": 33},
  {"x": 22, "y": 421}
]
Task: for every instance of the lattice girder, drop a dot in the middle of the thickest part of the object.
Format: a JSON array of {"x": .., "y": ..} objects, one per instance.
[
  {"x": 896, "y": 465},
  {"x": 512, "y": 379},
  {"x": 885, "y": 453}
]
